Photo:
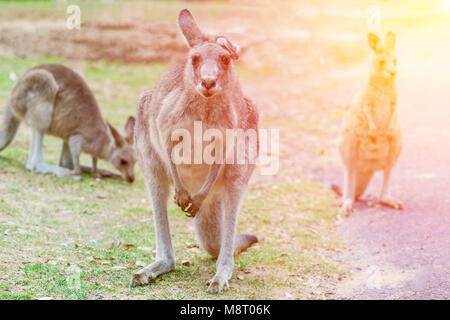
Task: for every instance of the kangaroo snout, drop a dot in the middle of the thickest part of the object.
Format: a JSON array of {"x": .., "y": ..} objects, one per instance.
[
  {"x": 208, "y": 86},
  {"x": 208, "y": 83}
]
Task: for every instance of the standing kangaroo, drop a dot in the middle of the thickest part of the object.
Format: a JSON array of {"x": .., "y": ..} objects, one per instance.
[
  {"x": 55, "y": 100},
  {"x": 371, "y": 136},
  {"x": 203, "y": 88}
]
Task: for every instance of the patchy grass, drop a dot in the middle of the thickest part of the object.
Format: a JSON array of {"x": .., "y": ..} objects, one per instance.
[{"x": 84, "y": 240}]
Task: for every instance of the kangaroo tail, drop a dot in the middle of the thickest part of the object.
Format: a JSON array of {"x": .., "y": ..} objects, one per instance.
[
  {"x": 9, "y": 126},
  {"x": 243, "y": 242}
]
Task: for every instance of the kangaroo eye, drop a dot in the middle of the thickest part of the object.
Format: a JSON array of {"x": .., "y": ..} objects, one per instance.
[
  {"x": 195, "y": 60},
  {"x": 225, "y": 60},
  {"x": 123, "y": 162}
]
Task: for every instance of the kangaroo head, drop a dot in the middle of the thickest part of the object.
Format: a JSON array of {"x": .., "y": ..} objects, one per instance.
[
  {"x": 123, "y": 156},
  {"x": 384, "y": 63},
  {"x": 209, "y": 69}
]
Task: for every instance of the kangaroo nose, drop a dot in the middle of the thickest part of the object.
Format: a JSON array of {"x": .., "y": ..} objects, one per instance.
[{"x": 209, "y": 83}]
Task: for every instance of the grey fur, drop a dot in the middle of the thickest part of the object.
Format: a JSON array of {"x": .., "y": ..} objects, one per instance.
[
  {"x": 55, "y": 100},
  {"x": 213, "y": 198}
]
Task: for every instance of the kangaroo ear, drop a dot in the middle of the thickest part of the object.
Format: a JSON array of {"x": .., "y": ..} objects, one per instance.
[
  {"x": 232, "y": 48},
  {"x": 119, "y": 141},
  {"x": 129, "y": 130},
  {"x": 389, "y": 41},
  {"x": 189, "y": 29},
  {"x": 374, "y": 42}
]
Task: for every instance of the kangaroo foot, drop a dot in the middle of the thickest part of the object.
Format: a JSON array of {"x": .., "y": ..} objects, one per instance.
[
  {"x": 347, "y": 205},
  {"x": 391, "y": 202},
  {"x": 217, "y": 284},
  {"x": 145, "y": 275}
]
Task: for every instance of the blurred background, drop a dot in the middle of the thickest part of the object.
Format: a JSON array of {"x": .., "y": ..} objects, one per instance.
[{"x": 301, "y": 61}]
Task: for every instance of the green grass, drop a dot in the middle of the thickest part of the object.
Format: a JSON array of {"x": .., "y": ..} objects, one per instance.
[{"x": 51, "y": 226}]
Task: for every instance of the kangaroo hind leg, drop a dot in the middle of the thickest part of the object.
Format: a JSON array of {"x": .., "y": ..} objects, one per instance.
[
  {"x": 385, "y": 198},
  {"x": 362, "y": 180},
  {"x": 229, "y": 244},
  {"x": 65, "y": 159},
  {"x": 39, "y": 117},
  {"x": 208, "y": 223},
  {"x": 157, "y": 182}
]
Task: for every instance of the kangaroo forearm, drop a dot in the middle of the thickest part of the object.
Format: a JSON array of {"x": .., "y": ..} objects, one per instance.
[
  {"x": 173, "y": 170},
  {"x": 210, "y": 180},
  {"x": 176, "y": 177},
  {"x": 393, "y": 119},
  {"x": 369, "y": 118}
]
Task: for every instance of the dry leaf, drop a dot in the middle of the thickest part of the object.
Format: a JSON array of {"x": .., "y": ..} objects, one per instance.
[
  {"x": 126, "y": 245},
  {"x": 240, "y": 277},
  {"x": 288, "y": 295},
  {"x": 186, "y": 262},
  {"x": 44, "y": 298}
]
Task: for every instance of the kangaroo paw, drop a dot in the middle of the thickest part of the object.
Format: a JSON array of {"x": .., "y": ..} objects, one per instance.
[
  {"x": 182, "y": 198},
  {"x": 217, "y": 284},
  {"x": 347, "y": 205}
]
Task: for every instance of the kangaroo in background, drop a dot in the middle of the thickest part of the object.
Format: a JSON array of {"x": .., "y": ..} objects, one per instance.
[
  {"x": 371, "y": 136},
  {"x": 55, "y": 100},
  {"x": 203, "y": 88}
]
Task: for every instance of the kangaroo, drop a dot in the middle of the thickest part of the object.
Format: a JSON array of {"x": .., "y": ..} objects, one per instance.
[
  {"x": 371, "y": 136},
  {"x": 203, "y": 88},
  {"x": 55, "y": 100}
]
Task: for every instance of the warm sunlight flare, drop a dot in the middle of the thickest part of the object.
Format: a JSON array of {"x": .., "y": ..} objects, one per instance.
[{"x": 224, "y": 149}]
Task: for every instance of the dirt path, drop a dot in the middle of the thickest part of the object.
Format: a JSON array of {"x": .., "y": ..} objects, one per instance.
[{"x": 405, "y": 254}]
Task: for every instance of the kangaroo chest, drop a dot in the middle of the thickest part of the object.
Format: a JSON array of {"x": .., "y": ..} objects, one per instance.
[{"x": 197, "y": 146}]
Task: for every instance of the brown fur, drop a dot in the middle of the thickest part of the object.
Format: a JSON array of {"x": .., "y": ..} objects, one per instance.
[{"x": 371, "y": 135}]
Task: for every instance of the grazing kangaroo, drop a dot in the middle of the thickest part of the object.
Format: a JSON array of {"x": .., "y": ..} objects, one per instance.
[
  {"x": 55, "y": 100},
  {"x": 203, "y": 88},
  {"x": 371, "y": 136}
]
